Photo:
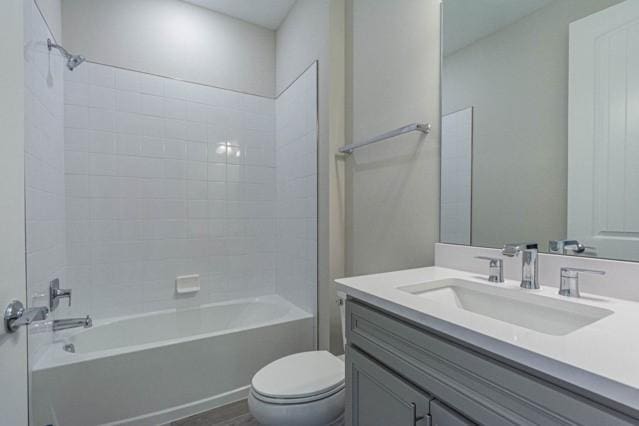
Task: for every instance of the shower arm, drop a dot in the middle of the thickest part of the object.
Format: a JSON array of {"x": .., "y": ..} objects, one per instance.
[
  {"x": 73, "y": 61},
  {"x": 52, "y": 45}
]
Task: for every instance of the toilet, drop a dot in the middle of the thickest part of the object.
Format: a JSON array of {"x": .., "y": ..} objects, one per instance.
[{"x": 305, "y": 388}]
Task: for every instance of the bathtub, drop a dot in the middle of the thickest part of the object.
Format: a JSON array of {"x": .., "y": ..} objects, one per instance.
[{"x": 154, "y": 368}]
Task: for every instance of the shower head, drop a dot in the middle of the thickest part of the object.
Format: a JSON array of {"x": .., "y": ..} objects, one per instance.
[{"x": 73, "y": 61}]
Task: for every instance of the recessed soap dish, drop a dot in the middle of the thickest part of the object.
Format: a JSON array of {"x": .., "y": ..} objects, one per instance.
[{"x": 187, "y": 284}]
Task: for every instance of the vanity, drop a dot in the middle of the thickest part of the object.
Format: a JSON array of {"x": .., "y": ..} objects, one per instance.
[
  {"x": 536, "y": 145},
  {"x": 439, "y": 346}
]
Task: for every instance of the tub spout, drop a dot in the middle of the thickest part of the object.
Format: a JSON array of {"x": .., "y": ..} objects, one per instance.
[{"x": 64, "y": 324}]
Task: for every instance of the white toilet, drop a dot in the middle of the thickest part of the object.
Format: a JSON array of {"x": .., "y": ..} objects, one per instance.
[{"x": 306, "y": 388}]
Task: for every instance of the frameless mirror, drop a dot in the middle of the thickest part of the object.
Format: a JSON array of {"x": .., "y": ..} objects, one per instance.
[{"x": 540, "y": 125}]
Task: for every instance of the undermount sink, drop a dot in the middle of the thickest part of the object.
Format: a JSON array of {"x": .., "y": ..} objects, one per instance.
[{"x": 513, "y": 306}]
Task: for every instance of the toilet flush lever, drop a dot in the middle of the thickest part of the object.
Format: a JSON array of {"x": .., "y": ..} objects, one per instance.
[
  {"x": 56, "y": 293},
  {"x": 495, "y": 269}
]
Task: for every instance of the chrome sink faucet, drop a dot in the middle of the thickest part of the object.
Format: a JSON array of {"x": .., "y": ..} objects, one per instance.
[{"x": 529, "y": 265}]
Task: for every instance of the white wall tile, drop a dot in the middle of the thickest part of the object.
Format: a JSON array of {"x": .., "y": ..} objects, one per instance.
[
  {"x": 165, "y": 178},
  {"x": 128, "y": 81},
  {"x": 295, "y": 175},
  {"x": 151, "y": 84},
  {"x": 128, "y": 101},
  {"x": 99, "y": 119},
  {"x": 76, "y": 116},
  {"x": 101, "y": 141},
  {"x": 101, "y": 76},
  {"x": 101, "y": 97},
  {"x": 148, "y": 189},
  {"x": 152, "y": 105},
  {"x": 76, "y": 93},
  {"x": 175, "y": 109}
]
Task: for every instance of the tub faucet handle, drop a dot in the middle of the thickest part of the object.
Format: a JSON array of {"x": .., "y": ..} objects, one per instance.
[
  {"x": 56, "y": 293},
  {"x": 16, "y": 315}
]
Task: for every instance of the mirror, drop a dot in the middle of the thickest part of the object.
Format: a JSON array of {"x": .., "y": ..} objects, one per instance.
[{"x": 540, "y": 125}]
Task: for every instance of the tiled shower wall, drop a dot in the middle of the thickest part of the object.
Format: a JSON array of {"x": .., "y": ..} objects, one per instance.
[
  {"x": 166, "y": 178},
  {"x": 44, "y": 166},
  {"x": 296, "y": 153}
]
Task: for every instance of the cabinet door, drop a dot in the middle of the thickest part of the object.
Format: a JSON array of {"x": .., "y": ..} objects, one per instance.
[
  {"x": 377, "y": 397},
  {"x": 441, "y": 415}
]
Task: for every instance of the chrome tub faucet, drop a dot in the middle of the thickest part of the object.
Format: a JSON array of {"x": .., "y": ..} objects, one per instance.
[{"x": 64, "y": 324}]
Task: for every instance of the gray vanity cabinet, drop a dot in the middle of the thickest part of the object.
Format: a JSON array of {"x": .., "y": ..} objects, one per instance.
[
  {"x": 378, "y": 397},
  {"x": 440, "y": 415},
  {"x": 399, "y": 373}
]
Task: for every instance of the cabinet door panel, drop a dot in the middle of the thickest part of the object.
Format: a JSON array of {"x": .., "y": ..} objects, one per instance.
[
  {"x": 377, "y": 397},
  {"x": 444, "y": 416}
]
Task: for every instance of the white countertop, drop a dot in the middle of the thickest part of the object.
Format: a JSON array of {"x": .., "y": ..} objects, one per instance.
[{"x": 601, "y": 358}]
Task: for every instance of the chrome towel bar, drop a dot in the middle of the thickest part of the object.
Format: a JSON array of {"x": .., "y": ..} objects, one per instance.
[{"x": 419, "y": 127}]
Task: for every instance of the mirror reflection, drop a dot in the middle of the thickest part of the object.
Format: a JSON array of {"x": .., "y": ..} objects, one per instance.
[{"x": 540, "y": 137}]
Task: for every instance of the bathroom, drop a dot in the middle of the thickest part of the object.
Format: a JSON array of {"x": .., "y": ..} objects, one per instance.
[{"x": 319, "y": 212}]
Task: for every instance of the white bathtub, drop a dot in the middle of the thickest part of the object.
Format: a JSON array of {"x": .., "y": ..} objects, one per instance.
[{"x": 154, "y": 368}]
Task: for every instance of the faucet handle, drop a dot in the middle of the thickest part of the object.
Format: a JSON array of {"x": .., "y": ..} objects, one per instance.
[
  {"x": 64, "y": 292},
  {"x": 16, "y": 315},
  {"x": 496, "y": 268},
  {"x": 492, "y": 260},
  {"x": 56, "y": 293},
  {"x": 573, "y": 272},
  {"x": 569, "y": 280},
  {"x": 564, "y": 246},
  {"x": 513, "y": 249}
]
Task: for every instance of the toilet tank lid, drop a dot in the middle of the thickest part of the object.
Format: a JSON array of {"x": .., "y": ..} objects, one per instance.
[{"x": 300, "y": 375}]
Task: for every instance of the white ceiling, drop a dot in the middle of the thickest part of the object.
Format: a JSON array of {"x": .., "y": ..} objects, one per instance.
[
  {"x": 265, "y": 13},
  {"x": 466, "y": 21}
]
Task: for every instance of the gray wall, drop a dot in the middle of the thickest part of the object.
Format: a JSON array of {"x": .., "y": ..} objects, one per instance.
[
  {"x": 174, "y": 39},
  {"x": 392, "y": 188},
  {"x": 517, "y": 81},
  {"x": 52, "y": 12}
]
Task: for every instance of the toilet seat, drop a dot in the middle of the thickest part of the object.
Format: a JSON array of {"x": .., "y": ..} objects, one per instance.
[
  {"x": 285, "y": 401},
  {"x": 298, "y": 378}
]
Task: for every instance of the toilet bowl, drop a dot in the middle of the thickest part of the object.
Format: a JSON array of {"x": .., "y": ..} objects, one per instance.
[{"x": 306, "y": 388}]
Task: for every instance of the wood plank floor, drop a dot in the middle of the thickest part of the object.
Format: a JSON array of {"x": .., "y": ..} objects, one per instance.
[{"x": 234, "y": 414}]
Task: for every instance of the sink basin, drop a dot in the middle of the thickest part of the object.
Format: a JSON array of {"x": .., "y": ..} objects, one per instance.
[{"x": 513, "y": 306}]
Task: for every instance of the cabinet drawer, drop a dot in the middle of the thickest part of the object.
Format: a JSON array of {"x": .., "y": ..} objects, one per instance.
[{"x": 483, "y": 389}]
